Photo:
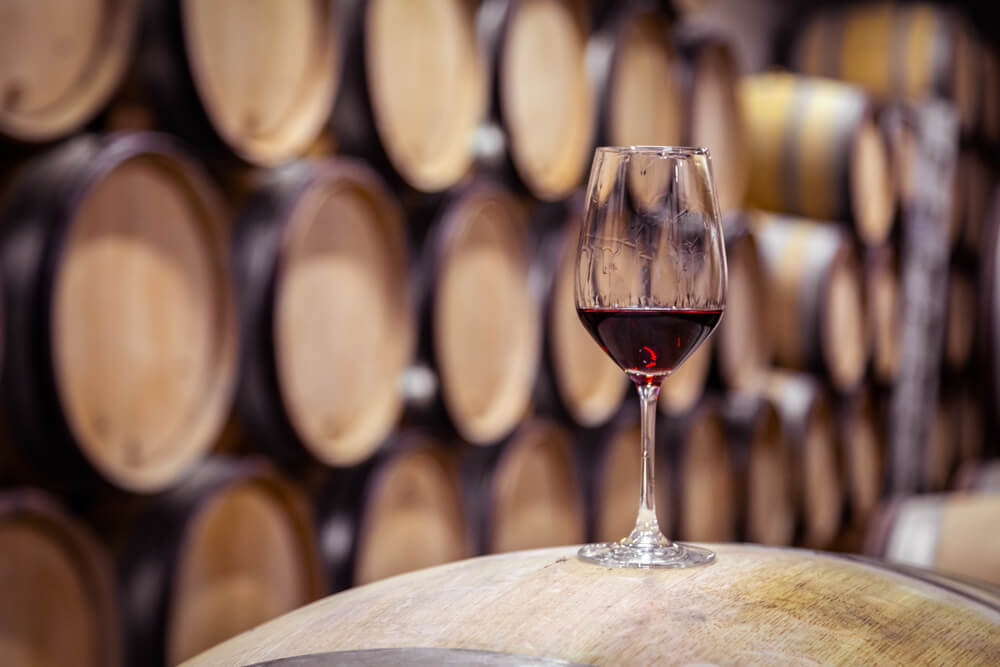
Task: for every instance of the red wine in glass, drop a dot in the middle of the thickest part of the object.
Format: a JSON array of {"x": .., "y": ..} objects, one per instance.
[{"x": 649, "y": 343}]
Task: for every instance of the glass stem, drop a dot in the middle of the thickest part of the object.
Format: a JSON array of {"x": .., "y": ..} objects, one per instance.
[{"x": 647, "y": 528}]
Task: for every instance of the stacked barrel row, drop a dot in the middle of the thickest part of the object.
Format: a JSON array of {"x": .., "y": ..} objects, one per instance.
[{"x": 240, "y": 372}]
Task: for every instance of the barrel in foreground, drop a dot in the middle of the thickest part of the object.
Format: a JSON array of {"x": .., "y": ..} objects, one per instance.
[{"x": 755, "y": 604}]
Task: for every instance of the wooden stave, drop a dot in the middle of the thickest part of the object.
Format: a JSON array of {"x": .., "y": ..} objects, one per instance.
[
  {"x": 856, "y": 118},
  {"x": 353, "y": 119},
  {"x": 745, "y": 415},
  {"x": 129, "y": 26},
  {"x": 31, "y": 243},
  {"x": 38, "y": 505},
  {"x": 432, "y": 224},
  {"x": 693, "y": 51},
  {"x": 909, "y": 530},
  {"x": 812, "y": 293},
  {"x": 164, "y": 68},
  {"x": 568, "y": 592},
  {"x": 494, "y": 152},
  {"x": 146, "y": 569},
  {"x": 950, "y": 28},
  {"x": 342, "y": 506},
  {"x": 883, "y": 286},
  {"x": 555, "y": 244},
  {"x": 798, "y": 399},
  {"x": 259, "y": 398},
  {"x": 859, "y": 411}
]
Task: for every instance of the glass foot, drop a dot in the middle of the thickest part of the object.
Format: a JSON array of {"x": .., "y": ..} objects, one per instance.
[{"x": 669, "y": 555}]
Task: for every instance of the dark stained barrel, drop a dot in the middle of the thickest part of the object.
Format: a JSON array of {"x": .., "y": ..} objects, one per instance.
[
  {"x": 60, "y": 62},
  {"x": 960, "y": 323},
  {"x": 120, "y": 312},
  {"x": 58, "y": 605},
  {"x": 230, "y": 547},
  {"x": 321, "y": 261},
  {"x": 257, "y": 79},
  {"x": 817, "y": 316},
  {"x": 413, "y": 88},
  {"x": 817, "y": 152},
  {"x": 542, "y": 121}
]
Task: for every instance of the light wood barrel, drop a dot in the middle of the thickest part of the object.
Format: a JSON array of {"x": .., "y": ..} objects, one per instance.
[
  {"x": 60, "y": 61},
  {"x": 960, "y": 323},
  {"x": 321, "y": 259},
  {"x": 714, "y": 116},
  {"x": 258, "y": 78},
  {"x": 120, "y": 312},
  {"x": 480, "y": 328},
  {"x": 742, "y": 344},
  {"x": 230, "y": 547},
  {"x": 807, "y": 421},
  {"x": 58, "y": 605},
  {"x": 817, "y": 152},
  {"x": 527, "y": 492},
  {"x": 765, "y": 465},
  {"x": 413, "y": 90},
  {"x": 863, "y": 452},
  {"x": 577, "y": 379},
  {"x": 953, "y": 533},
  {"x": 781, "y": 605},
  {"x": 632, "y": 61},
  {"x": 542, "y": 121},
  {"x": 401, "y": 512},
  {"x": 884, "y": 310},
  {"x": 913, "y": 51},
  {"x": 817, "y": 314}
]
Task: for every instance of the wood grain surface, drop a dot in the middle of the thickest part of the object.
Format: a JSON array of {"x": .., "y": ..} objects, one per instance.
[{"x": 755, "y": 605}]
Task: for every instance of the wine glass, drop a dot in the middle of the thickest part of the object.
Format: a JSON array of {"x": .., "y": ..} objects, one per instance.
[{"x": 650, "y": 288}]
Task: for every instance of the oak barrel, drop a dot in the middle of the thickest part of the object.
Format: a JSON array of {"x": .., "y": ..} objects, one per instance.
[
  {"x": 953, "y": 533},
  {"x": 632, "y": 61},
  {"x": 817, "y": 306},
  {"x": 121, "y": 345},
  {"x": 577, "y": 379},
  {"x": 60, "y": 62},
  {"x": 941, "y": 450},
  {"x": 884, "y": 304},
  {"x": 541, "y": 117},
  {"x": 320, "y": 254},
  {"x": 401, "y": 512},
  {"x": 817, "y": 152},
  {"x": 861, "y": 433},
  {"x": 714, "y": 116},
  {"x": 58, "y": 605},
  {"x": 256, "y": 78},
  {"x": 960, "y": 321},
  {"x": 480, "y": 328},
  {"x": 754, "y": 605},
  {"x": 685, "y": 386},
  {"x": 914, "y": 51},
  {"x": 526, "y": 493},
  {"x": 742, "y": 347},
  {"x": 765, "y": 500},
  {"x": 231, "y": 546},
  {"x": 413, "y": 89},
  {"x": 807, "y": 422}
]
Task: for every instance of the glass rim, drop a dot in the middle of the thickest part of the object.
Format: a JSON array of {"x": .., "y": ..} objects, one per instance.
[{"x": 665, "y": 151}]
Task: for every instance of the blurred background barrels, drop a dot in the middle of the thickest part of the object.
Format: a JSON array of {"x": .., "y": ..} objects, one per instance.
[
  {"x": 59, "y": 605},
  {"x": 232, "y": 545},
  {"x": 60, "y": 62},
  {"x": 321, "y": 264},
  {"x": 542, "y": 120},
  {"x": 356, "y": 261},
  {"x": 121, "y": 341}
]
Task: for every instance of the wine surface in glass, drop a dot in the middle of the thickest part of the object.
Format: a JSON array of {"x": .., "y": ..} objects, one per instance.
[{"x": 649, "y": 343}]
